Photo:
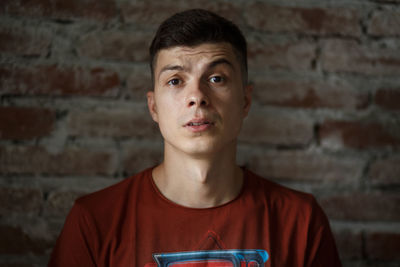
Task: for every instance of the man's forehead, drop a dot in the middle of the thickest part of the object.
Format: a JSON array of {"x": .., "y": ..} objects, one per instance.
[
  {"x": 205, "y": 48},
  {"x": 206, "y": 52}
]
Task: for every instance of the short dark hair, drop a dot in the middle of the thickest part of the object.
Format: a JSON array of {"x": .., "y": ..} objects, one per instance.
[{"x": 197, "y": 26}]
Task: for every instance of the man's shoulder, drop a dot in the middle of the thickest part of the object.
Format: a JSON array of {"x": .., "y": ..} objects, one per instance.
[
  {"x": 114, "y": 194},
  {"x": 277, "y": 195}
]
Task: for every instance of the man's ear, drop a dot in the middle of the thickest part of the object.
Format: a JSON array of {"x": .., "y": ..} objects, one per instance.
[
  {"x": 151, "y": 104},
  {"x": 248, "y": 91}
]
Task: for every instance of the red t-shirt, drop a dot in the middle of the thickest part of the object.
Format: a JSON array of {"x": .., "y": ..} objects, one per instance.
[{"x": 133, "y": 224}]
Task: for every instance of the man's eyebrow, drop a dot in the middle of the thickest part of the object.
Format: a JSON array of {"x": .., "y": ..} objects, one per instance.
[
  {"x": 220, "y": 61},
  {"x": 169, "y": 68},
  {"x": 210, "y": 66}
]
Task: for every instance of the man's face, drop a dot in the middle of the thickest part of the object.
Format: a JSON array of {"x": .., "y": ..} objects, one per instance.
[{"x": 199, "y": 100}]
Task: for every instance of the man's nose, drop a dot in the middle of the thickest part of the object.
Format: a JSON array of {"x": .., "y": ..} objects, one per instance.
[{"x": 197, "y": 95}]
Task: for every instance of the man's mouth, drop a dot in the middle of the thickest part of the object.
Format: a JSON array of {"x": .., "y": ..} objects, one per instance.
[{"x": 198, "y": 123}]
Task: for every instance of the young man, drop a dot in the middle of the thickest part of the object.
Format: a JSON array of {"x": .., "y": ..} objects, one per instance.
[{"x": 197, "y": 208}]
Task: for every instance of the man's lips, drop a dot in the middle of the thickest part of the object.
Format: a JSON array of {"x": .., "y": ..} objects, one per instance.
[
  {"x": 197, "y": 122},
  {"x": 198, "y": 125}
]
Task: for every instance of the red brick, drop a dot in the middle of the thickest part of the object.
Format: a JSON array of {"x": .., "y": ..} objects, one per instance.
[
  {"x": 385, "y": 23},
  {"x": 357, "y": 134},
  {"x": 145, "y": 13},
  {"x": 58, "y": 80},
  {"x": 140, "y": 156},
  {"x": 349, "y": 244},
  {"x": 132, "y": 121},
  {"x": 116, "y": 45},
  {"x": 303, "y": 166},
  {"x": 37, "y": 160},
  {"x": 383, "y": 246},
  {"x": 19, "y": 123},
  {"x": 296, "y": 55},
  {"x": 262, "y": 126},
  {"x": 357, "y": 206},
  {"x": 385, "y": 171},
  {"x": 60, "y": 9},
  {"x": 60, "y": 202},
  {"x": 349, "y": 56},
  {"x": 20, "y": 200},
  {"x": 263, "y": 16},
  {"x": 14, "y": 240},
  {"x": 139, "y": 82},
  {"x": 388, "y": 98},
  {"x": 308, "y": 94},
  {"x": 227, "y": 9},
  {"x": 153, "y": 13},
  {"x": 24, "y": 41}
]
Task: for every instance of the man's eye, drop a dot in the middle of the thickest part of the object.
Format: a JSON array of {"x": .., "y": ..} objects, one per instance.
[
  {"x": 216, "y": 79},
  {"x": 174, "y": 82}
]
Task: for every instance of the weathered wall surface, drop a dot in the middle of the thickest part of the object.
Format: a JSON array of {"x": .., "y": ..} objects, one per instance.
[{"x": 325, "y": 117}]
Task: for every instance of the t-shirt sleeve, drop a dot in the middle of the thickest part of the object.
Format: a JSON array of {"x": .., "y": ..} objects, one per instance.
[
  {"x": 321, "y": 247},
  {"x": 74, "y": 246}
]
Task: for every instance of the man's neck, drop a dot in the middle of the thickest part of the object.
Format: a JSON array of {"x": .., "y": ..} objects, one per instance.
[{"x": 199, "y": 182}]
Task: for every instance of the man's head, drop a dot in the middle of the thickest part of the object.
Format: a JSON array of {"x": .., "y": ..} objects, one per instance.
[
  {"x": 200, "y": 95},
  {"x": 194, "y": 27}
]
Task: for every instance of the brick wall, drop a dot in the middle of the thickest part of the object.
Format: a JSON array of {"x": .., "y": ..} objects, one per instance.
[{"x": 325, "y": 119}]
